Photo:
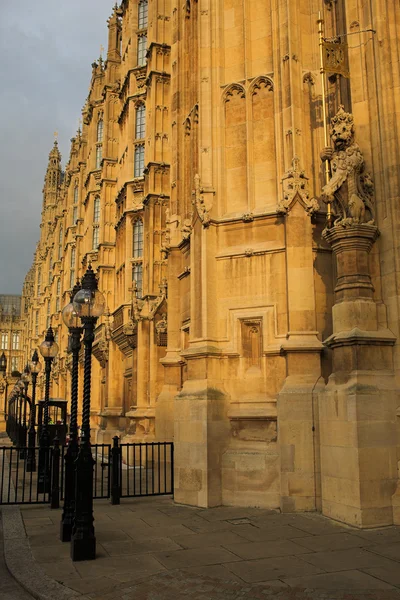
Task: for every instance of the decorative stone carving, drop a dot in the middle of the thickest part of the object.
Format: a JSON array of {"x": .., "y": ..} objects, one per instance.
[
  {"x": 350, "y": 189},
  {"x": 161, "y": 329},
  {"x": 199, "y": 203},
  {"x": 295, "y": 183}
]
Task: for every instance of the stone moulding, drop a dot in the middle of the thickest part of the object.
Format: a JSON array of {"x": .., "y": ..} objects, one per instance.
[{"x": 382, "y": 337}]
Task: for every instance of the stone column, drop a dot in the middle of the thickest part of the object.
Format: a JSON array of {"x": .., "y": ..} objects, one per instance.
[{"x": 358, "y": 407}]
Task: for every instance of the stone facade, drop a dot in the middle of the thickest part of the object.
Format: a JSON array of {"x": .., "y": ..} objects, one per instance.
[
  {"x": 263, "y": 342},
  {"x": 11, "y": 330}
]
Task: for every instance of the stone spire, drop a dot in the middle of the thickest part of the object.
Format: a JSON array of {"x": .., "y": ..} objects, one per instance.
[{"x": 53, "y": 177}]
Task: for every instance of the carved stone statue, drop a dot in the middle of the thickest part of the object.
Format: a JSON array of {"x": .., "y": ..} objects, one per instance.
[{"x": 350, "y": 189}]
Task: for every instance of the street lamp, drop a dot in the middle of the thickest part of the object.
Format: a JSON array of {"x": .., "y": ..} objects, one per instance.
[
  {"x": 3, "y": 373},
  {"x": 23, "y": 384},
  {"x": 48, "y": 349},
  {"x": 89, "y": 303},
  {"x": 35, "y": 368},
  {"x": 72, "y": 321}
]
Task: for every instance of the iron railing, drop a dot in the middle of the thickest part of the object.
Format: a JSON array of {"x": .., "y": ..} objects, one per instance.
[{"x": 120, "y": 471}]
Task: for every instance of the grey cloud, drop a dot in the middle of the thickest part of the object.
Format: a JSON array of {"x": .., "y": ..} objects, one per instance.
[{"x": 47, "y": 51}]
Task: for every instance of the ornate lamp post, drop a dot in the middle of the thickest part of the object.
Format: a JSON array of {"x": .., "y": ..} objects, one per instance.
[
  {"x": 35, "y": 368},
  {"x": 24, "y": 383},
  {"x": 89, "y": 304},
  {"x": 72, "y": 321},
  {"x": 48, "y": 349},
  {"x": 4, "y": 382}
]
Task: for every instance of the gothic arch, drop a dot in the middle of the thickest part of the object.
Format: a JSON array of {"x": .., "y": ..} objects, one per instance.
[
  {"x": 259, "y": 83},
  {"x": 235, "y": 89}
]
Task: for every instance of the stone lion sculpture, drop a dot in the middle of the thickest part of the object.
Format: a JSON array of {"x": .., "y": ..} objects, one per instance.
[{"x": 350, "y": 189}]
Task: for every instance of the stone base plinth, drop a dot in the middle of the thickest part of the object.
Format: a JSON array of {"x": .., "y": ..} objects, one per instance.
[{"x": 358, "y": 449}]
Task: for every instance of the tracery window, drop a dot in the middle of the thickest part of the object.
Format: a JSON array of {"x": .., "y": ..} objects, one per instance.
[
  {"x": 58, "y": 292},
  {"x": 39, "y": 282},
  {"x": 137, "y": 276},
  {"x": 96, "y": 223},
  {"x": 139, "y": 160},
  {"x": 100, "y": 128},
  {"x": 15, "y": 341},
  {"x": 99, "y": 156},
  {"x": 60, "y": 241},
  {"x": 72, "y": 268},
  {"x": 4, "y": 341},
  {"x": 143, "y": 10},
  {"x": 140, "y": 129},
  {"x": 141, "y": 50},
  {"x": 138, "y": 239}
]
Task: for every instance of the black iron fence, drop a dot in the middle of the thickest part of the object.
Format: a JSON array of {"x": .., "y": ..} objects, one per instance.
[
  {"x": 19, "y": 484},
  {"x": 120, "y": 471}
]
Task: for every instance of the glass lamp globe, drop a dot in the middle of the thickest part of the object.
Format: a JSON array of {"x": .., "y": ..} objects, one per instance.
[
  {"x": 70, "y": 316},
  {"x": 49, "y": 348},
  {"x": 35, "y": 365},
  {"x": 26, "y": 374},
  {"x": 89, "y": 303}
]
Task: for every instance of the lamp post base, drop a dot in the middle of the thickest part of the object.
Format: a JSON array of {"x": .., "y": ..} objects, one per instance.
[{"x": 83, "y": 548}]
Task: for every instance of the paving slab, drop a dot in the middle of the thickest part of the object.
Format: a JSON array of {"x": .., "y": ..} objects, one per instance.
[
  {"x": 272, "y": 568},
  {"x": 152, "y": 549},
  {"x": 389, "y": 550},
  {"x": 254, "y": 550},
  {"x": 332, "y": 541},
  {"x": 219, "y": 538},
  {"x": 344, "y": 560},
  {"x": 142, "y": 547},
  {"x": 195, "y": 557},
  {"x": 261, "y": 532},
  {"x": 345, "y": 580},
  {"x": 389, "y": 575}
]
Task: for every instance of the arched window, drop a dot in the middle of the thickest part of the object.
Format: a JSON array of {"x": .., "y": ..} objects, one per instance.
[
  {"x": 60, "y": 242},
  {"x": 140, "y": 129},
  {"x": 100, "y": 127},
  {"x": 48, "y": 317},
  {"x": 58, "y": 292},
  {"x": 142, "y": 14},
  {"x": 99, "y": 156},
  {"x": 50, "y": 270},
  {"x": 72, "y": 268},
  {"x": 39, "y": 282},
  {"x": 138, "y": 239},
  {"x": 96, "y": 223},
  {"x": 76, "y": 193},
  {"x": 141, "y": 50},
  {"x": 139, "y": 160},
  {"x": 137, "y": 276},
  {"x": 96, "y": 210}
]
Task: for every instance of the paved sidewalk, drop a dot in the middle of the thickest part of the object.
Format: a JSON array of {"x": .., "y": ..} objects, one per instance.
[
  {"x": 152, "y": 548},
  {"x": 9, "y": 588}
]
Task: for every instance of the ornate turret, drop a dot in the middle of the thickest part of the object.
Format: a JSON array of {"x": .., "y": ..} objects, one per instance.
[
  {"x": 53, "y": 177},
  {"x": 114, "y": 36}
]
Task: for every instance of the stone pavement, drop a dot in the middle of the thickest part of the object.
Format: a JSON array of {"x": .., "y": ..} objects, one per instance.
[
  {"x": 9, "y": 588},
  {"x": 150, "y": 548}
]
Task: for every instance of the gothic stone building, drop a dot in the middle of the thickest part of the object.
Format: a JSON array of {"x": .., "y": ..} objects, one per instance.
[
  {"x": 262, "y": 341},
  {"x": 11, "y": 328}
]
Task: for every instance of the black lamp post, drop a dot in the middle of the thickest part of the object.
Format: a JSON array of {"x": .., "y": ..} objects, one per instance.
[
  {"x": 89, "y": 304},
  {"x": 72, "y": 321},
  {"x": 24, "y": 383},
  {"x": 3, "y": 373},
  {"x": 48, "y": 349},
  {"x": 35, "y": 368}
]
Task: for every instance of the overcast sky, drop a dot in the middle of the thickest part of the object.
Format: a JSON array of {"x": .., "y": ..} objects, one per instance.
[{"x": 46, "y": 51}]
